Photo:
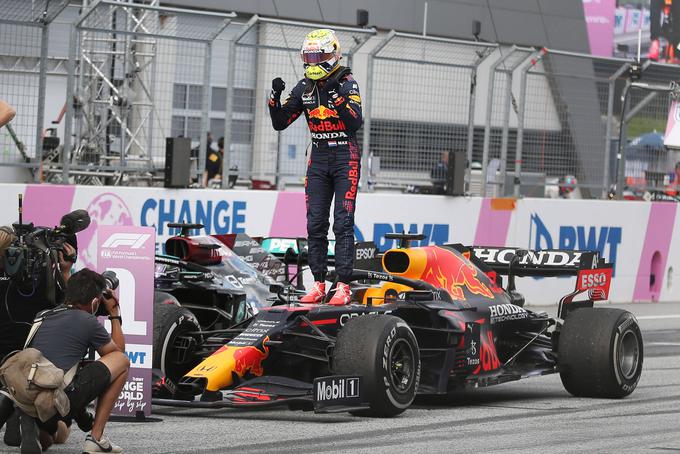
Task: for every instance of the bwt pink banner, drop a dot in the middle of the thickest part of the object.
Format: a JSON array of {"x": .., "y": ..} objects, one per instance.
[
  {"x": 599, "y": 16},
  {"x": 129, "y": 252}
]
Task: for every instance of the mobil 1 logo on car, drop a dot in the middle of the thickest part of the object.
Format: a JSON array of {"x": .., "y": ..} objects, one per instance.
[{"x": 337, "y": 393}]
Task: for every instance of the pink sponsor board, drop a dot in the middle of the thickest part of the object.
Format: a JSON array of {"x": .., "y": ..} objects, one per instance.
[
  {"x": 672, "y": 137},
  {"x": 129, "y": 252},
  {"x": 599, "y": 16}
]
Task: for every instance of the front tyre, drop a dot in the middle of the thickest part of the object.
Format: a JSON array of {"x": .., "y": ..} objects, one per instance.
[
  {"x": 600, "y": 353},
  {"x": 383, "y": 350},
  {"x": 175, "y": 340}
]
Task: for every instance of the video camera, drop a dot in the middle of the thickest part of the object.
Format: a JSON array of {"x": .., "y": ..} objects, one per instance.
[{"x": 34, "y": 252}]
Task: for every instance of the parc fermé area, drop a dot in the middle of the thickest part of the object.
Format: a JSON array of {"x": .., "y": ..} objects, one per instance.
[
  {"x": 645, "y": 273},
  {"x": 504, "y": 147}
]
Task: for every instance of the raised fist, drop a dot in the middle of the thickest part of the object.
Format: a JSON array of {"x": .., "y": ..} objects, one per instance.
[{"x": 278, "y": 85}]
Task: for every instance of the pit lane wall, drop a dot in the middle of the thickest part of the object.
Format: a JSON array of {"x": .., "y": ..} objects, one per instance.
[{"x": 642, "y": 239}]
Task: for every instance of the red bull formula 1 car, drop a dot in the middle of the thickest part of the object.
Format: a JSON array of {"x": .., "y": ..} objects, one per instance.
[{"x": 432, "y": 320}]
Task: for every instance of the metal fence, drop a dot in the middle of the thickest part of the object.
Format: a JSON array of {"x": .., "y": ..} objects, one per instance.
[
  {"x": 24, "y": 31},
  {"x": 420, "y": 98},
  {"x": 265, "y": 49},
  {"x": 501, "y": 114},
  {"x": 140, "y": 73},
  {"x": 531, "y": 122}
]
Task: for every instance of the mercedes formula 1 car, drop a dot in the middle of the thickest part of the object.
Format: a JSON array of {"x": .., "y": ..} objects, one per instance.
[{"x": 427, "y": 320}]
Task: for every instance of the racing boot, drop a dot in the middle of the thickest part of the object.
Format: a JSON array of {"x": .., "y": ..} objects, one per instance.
[
  {"x": 316, "y": 295},
  {"x": 341, "y": 295},
  {"x": 654, "y": 50}
]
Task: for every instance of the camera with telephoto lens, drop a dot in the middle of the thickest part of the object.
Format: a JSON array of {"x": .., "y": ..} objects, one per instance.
[
  {"x": 111, "y": 284},
  {"x": 34, "y": 254}
]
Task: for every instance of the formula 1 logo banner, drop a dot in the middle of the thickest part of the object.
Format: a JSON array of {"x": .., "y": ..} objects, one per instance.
[
  {"x": 129, "y": 251},
  {"x": 132, "y": 240}
]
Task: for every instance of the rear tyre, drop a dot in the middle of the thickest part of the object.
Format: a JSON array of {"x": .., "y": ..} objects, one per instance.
[
  {"x": 173, "y": 345},
  {"x": 600, "y": 353},
  {"x": 383, "y": 350}
]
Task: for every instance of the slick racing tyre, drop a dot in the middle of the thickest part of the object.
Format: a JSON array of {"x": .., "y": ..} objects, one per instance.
[
  {"x": 173, "y": 345},
  {"x": 383, "y": 350},
  {"x": 600, "y": 353}
]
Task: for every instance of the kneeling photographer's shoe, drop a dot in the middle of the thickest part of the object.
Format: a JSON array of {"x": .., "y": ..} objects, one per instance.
[
  {"x": 12, "y": 434},
  {"x": 103, "y": 445},
  {"x": 85, "y": 420},
  {"x": 30, "y": 443},
  {"x": 11, "y": 418},
  {"x": 6, "y": 408}
]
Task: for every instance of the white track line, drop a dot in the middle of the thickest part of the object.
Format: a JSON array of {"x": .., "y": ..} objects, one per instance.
[
  {"x": 665, "y": 344},
  {"x": 657, "y": 317}
]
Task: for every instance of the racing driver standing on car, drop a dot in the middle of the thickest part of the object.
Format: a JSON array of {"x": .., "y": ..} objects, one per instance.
[{"x": 329, "y": 98}]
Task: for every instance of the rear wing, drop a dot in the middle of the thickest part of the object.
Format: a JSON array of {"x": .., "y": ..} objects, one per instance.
[
  {"x": 593, "y": 274},
  {"x": 543, "y": 263}
]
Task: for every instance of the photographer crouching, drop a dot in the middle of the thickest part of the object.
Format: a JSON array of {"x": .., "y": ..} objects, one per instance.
[
  {"x": 35, "y": 265},
  {"x": 61, "y": 337}
]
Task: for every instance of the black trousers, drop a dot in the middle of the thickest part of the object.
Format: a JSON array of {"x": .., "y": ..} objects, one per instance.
[{"x": 332, "y": 173}]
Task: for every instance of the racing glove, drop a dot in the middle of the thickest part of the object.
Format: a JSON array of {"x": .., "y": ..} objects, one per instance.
[{"x": 278, "y": 85}]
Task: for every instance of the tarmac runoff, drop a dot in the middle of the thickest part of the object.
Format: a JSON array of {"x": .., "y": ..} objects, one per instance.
[{"x": 530, "y": 416}]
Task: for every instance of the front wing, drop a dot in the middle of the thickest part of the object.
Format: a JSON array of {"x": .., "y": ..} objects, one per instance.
[{"x": 332, "y": 394}]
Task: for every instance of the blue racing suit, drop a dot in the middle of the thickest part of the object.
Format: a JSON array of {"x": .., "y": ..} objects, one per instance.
[{"x": 332, "y": 107}]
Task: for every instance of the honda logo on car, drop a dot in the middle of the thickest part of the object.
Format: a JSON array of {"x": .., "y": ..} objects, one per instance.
[
  {"x": 505, "y": 312},
  {"x": 337, "y": 388},
  {"x": 544, "y": 258}
]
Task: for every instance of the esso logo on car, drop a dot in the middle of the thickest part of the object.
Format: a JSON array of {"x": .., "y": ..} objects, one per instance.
[{"x": 593, "y": 280}]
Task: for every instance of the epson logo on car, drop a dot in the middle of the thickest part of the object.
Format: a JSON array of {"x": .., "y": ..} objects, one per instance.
[
  {"x": 337, "y": 388},
  {"x": 593, "y": 280},
  {"x": 365, "y": 253}
]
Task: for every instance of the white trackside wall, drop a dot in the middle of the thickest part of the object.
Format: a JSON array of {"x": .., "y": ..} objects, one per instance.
[{"x": 640, "y": 238}]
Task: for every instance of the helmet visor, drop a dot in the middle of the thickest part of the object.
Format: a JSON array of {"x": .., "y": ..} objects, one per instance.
[{"x": 314, "y": 58}]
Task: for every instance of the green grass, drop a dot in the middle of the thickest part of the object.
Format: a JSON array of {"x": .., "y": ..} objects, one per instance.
[{"x": 642, "y": 125}]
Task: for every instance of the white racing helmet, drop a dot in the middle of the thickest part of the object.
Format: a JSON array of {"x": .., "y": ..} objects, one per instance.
[{"x": 320, "y": 53}]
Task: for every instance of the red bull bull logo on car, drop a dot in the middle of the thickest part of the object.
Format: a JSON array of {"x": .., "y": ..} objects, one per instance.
[
  {"x": 218, "y": 367},
  {"x": 249, "y": 359},
  {"x": 453, "y": 273}
]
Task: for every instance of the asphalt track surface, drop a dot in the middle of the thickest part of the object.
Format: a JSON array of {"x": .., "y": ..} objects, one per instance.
[{"x": 531, "y": 416}]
